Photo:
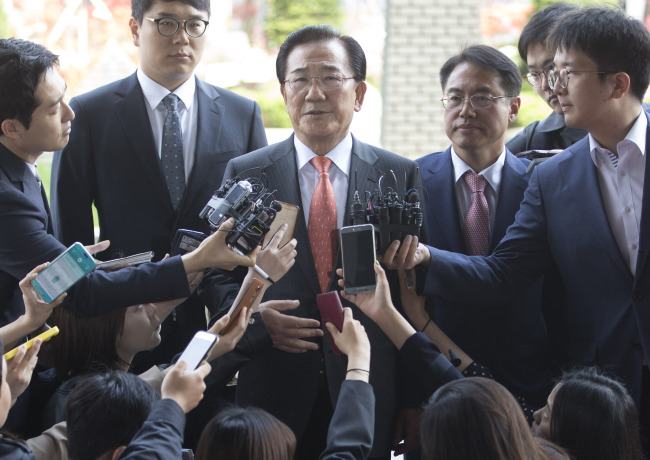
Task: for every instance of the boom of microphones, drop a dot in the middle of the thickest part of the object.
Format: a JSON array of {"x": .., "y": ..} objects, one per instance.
[{"x": 393, "y": 215}]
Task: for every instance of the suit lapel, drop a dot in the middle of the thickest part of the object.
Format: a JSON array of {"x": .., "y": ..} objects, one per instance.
[
  {"x": 513, "y": 186},
  {"x": 586, "y": 189},
  {"x": 445, "y": 230},
  {"x": 132, "y": 113},
  {"x": 207, "y": 138}
]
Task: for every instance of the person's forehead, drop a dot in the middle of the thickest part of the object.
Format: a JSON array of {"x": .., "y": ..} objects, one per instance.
[
  {"x": 573, "y": 57},
  {"x": 173, "y": 9},
  {"x": 468, "y": 77},
  {"x": 328, "y": 55},
  {"x": 539, "y": 55},
  {"x": 51, "y": 88}
]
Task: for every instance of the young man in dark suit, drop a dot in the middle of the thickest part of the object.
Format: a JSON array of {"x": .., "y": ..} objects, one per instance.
[
  {"x": 481, "y": 98},
  {"x": 321, "y": 75},
  {"x": 119, "y": 157}
]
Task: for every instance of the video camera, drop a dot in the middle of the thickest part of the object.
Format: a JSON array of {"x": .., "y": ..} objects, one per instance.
[
  {"x": 393, "y": 215},
  {"x": 243, "y": 200}
]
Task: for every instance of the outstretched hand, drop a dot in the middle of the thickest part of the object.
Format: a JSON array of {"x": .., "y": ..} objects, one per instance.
[
  {"x": 352, "y": 340},
  {"x": 287, "y": 331},
  {"x": 229, "y": 340},
  {"x": 276, "y": 261},
  {"x": 406, "y": 254},
  {"x": 372, "y": 303},
  {"x": 186, "y": 389},
  {"x": 37, "y": 311},
  {"x": 20, "y": 368}
]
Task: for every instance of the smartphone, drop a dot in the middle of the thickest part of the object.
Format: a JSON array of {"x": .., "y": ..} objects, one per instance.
[
  {"x": 186, "y": 241},
  {"x": 198, "y": 349},
  {"x": 331, "y": 311},
  {"x": 45, "y": 336},
  {"x": 63, "y": 272},
  {"x": 288, "y": 215},
  {"x": 252, "y": 291},
  {"x": 358, "y": 253}
]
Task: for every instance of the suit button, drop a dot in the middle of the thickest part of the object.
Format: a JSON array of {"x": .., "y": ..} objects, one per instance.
[
  {"x": 638, "y": 296},
  {"x": 636, "y": 345},
  {"x": 251, "y": 321}
]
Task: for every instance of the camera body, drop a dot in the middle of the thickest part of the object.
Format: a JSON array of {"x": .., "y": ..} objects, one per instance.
[
  {"x": 393, "y": 215},
  {"x": 244, "y": 202}
]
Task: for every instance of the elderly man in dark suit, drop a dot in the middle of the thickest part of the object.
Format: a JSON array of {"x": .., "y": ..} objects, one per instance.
[
  {"x": 120, "y": 156},
  {"x": 319, "y": 167}
]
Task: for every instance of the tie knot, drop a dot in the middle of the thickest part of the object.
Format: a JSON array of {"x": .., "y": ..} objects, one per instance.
[
  {"x": 475, "y": 181},
  {"x": 321, "y": 163},
  {"x": 171, "y": 102}
]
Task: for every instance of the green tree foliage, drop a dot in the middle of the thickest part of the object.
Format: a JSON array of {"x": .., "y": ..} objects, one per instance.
[
  {"x": 5, "y": 30},
  {"x": 285, "y": 16}
]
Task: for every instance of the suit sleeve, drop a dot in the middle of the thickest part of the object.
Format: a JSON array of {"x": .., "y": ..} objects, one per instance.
[
  {"x": 257, "y": 138},
  {"x": 522, "y": 256},
  {"x": 352, "y": 428},
  {"x": 71, "y": 190},
  {"x": 161, "y": 436}
]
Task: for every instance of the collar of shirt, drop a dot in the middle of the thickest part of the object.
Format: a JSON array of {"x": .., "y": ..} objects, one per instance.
[
  {"x": 492, "y": 173},
  {"x": 635, "y": 137},
  {"x": 32, "y": 168},
  {"x": 155, "y": 93},
  {"x": 340, "y": 155}
]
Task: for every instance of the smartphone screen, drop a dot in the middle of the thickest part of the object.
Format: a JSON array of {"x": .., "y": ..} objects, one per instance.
[
  {"x": 63, "y": 272},
  {"x": 197, "y": 350},
  {"x": 358, "y": 251}
]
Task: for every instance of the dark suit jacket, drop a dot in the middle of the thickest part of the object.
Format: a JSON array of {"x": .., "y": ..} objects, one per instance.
[
  {"x": 562, "y": 219},
  {"x": 509, "y": 339},
  {"x": 26, "y": 241},
  {"x": 111, "y": 161},
  {"x": 290, "y": 381},
  {"x": 547, "y": 134}
]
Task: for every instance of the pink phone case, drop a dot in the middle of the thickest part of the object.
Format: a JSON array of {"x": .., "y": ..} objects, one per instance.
[{"x": 331, "y": 311}]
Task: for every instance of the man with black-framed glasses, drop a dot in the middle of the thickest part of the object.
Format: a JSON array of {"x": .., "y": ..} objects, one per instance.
[
  {"x": 552, "y": 132},
  {"x": 473, "y": 191},
  {"x": 149, "y": 150}
]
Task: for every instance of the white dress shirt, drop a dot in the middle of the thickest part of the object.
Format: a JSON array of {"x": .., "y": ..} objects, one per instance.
[
  {"x": 492, "y": 175},
  {"x": 187, "y": 111},
  {"x": 338, "y": 172},
  {"x": 621, "y": 187}
]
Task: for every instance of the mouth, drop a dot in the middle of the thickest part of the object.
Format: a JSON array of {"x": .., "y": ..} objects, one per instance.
[
  {"x": 180, "y": 56},
  {"x": 67, "y": 131},
  {"x": 466, "y": 127},
  {"x": 315, "y": 112}
]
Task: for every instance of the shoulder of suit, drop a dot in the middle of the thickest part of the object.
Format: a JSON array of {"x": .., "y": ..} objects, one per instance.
[{"x": 224, "y": 95}]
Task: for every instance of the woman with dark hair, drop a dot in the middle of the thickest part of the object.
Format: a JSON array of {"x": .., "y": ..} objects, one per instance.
[
  {"x": 592, "y": 416},
  {"x": 478, "y": 418}
]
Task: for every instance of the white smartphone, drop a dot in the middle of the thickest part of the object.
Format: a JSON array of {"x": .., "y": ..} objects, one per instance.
[
  {"x": 359, "y": 255},
  {"x": 63, "y": 272},
  {"x": 198, "y": 348}
]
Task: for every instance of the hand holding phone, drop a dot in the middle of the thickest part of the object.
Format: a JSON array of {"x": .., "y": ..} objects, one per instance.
[
  {"x": 247, "y": 299},
  {"x": 63, "y": 272},
  {"x": 331, "y": 311},
  {"x": 359, "y": 254},
  {"x": 198, "y": 348},
  {"x": 45, "y": 336}
]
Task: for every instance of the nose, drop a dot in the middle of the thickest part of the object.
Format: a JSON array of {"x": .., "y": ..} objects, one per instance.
[
  {"x": 537, "y": 416},
  {"x": 314, "y": 90},
  {"x": 467, "y": 109},
  {"x": 151, "y": 309},
  {"x": 181, "y": 35},
  {"x": 544, "y": 82},
  {"x": 68, "y": 113}
]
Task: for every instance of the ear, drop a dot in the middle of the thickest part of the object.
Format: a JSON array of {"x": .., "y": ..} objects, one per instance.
[
  {"x": 12, "y": 128},
  {"x": 360, "y": 93},
  {"x": 621, "y": 84},
  {"x": 117, "y": 452},
  {"x": 135, "y": 31},
  {"x": 515, "y": 103}
]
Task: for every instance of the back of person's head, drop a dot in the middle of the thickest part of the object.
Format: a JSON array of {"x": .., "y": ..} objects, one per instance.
[
  {"x": 23, "y": 65},
  {"x": 139, "y": 7},
  {"x": 246, "y": 434},
  {"x": 540, "y": 25},
  {"x": 85, "y": 343},
  {"x": 105, "y": 411},
  {"x": 594, "y": 417},
  {"x": 615, "y": 41},
  {"x": 476, "y": 418},
  {"x": 318, "y": 34},
  {"x": 489, "y": 58}
]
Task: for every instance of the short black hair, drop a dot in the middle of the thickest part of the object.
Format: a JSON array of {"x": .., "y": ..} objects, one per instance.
[
  {"x": 317, "y": 34},
  {"x": 490, "y": 59},
  {"x": 139, "y": 7},
  {"x": 105, "y": 410},
  {"x": 23, "y": 65},
  {"x": 540, "y": 25},
  {"x": 615, "y": 41}
]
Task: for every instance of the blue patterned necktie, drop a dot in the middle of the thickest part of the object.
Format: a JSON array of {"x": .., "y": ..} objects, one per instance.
[{"x": 171, "y": 152}]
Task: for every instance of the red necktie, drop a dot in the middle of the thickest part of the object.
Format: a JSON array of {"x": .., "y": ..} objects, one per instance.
[
  {"x": 477, "y": 221},
  {"x": 322, "y": 222}
]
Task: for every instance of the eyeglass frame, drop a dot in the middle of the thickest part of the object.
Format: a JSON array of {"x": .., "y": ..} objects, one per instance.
[
  {"x": 462, "y": 102},
  {"x": 319, "y": 77},
  {"x": 178, "y": 25},
  {"x": 568, "y": 73},
  {"x": 543, "y": 73}
]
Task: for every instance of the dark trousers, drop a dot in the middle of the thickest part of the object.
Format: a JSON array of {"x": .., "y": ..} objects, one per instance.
[
  {"x": 314, "y": 438},
  {"x": 644, "y": 413}
]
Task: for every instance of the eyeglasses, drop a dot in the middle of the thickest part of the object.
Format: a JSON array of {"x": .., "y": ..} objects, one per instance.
[
  {"x": 327, "y": 82},
  {"x": 478, "y": 101},
  {"x": 562, "y": 76},
  {"x": 169, "y": 26},
  {"x": 535, "y": 78}
]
